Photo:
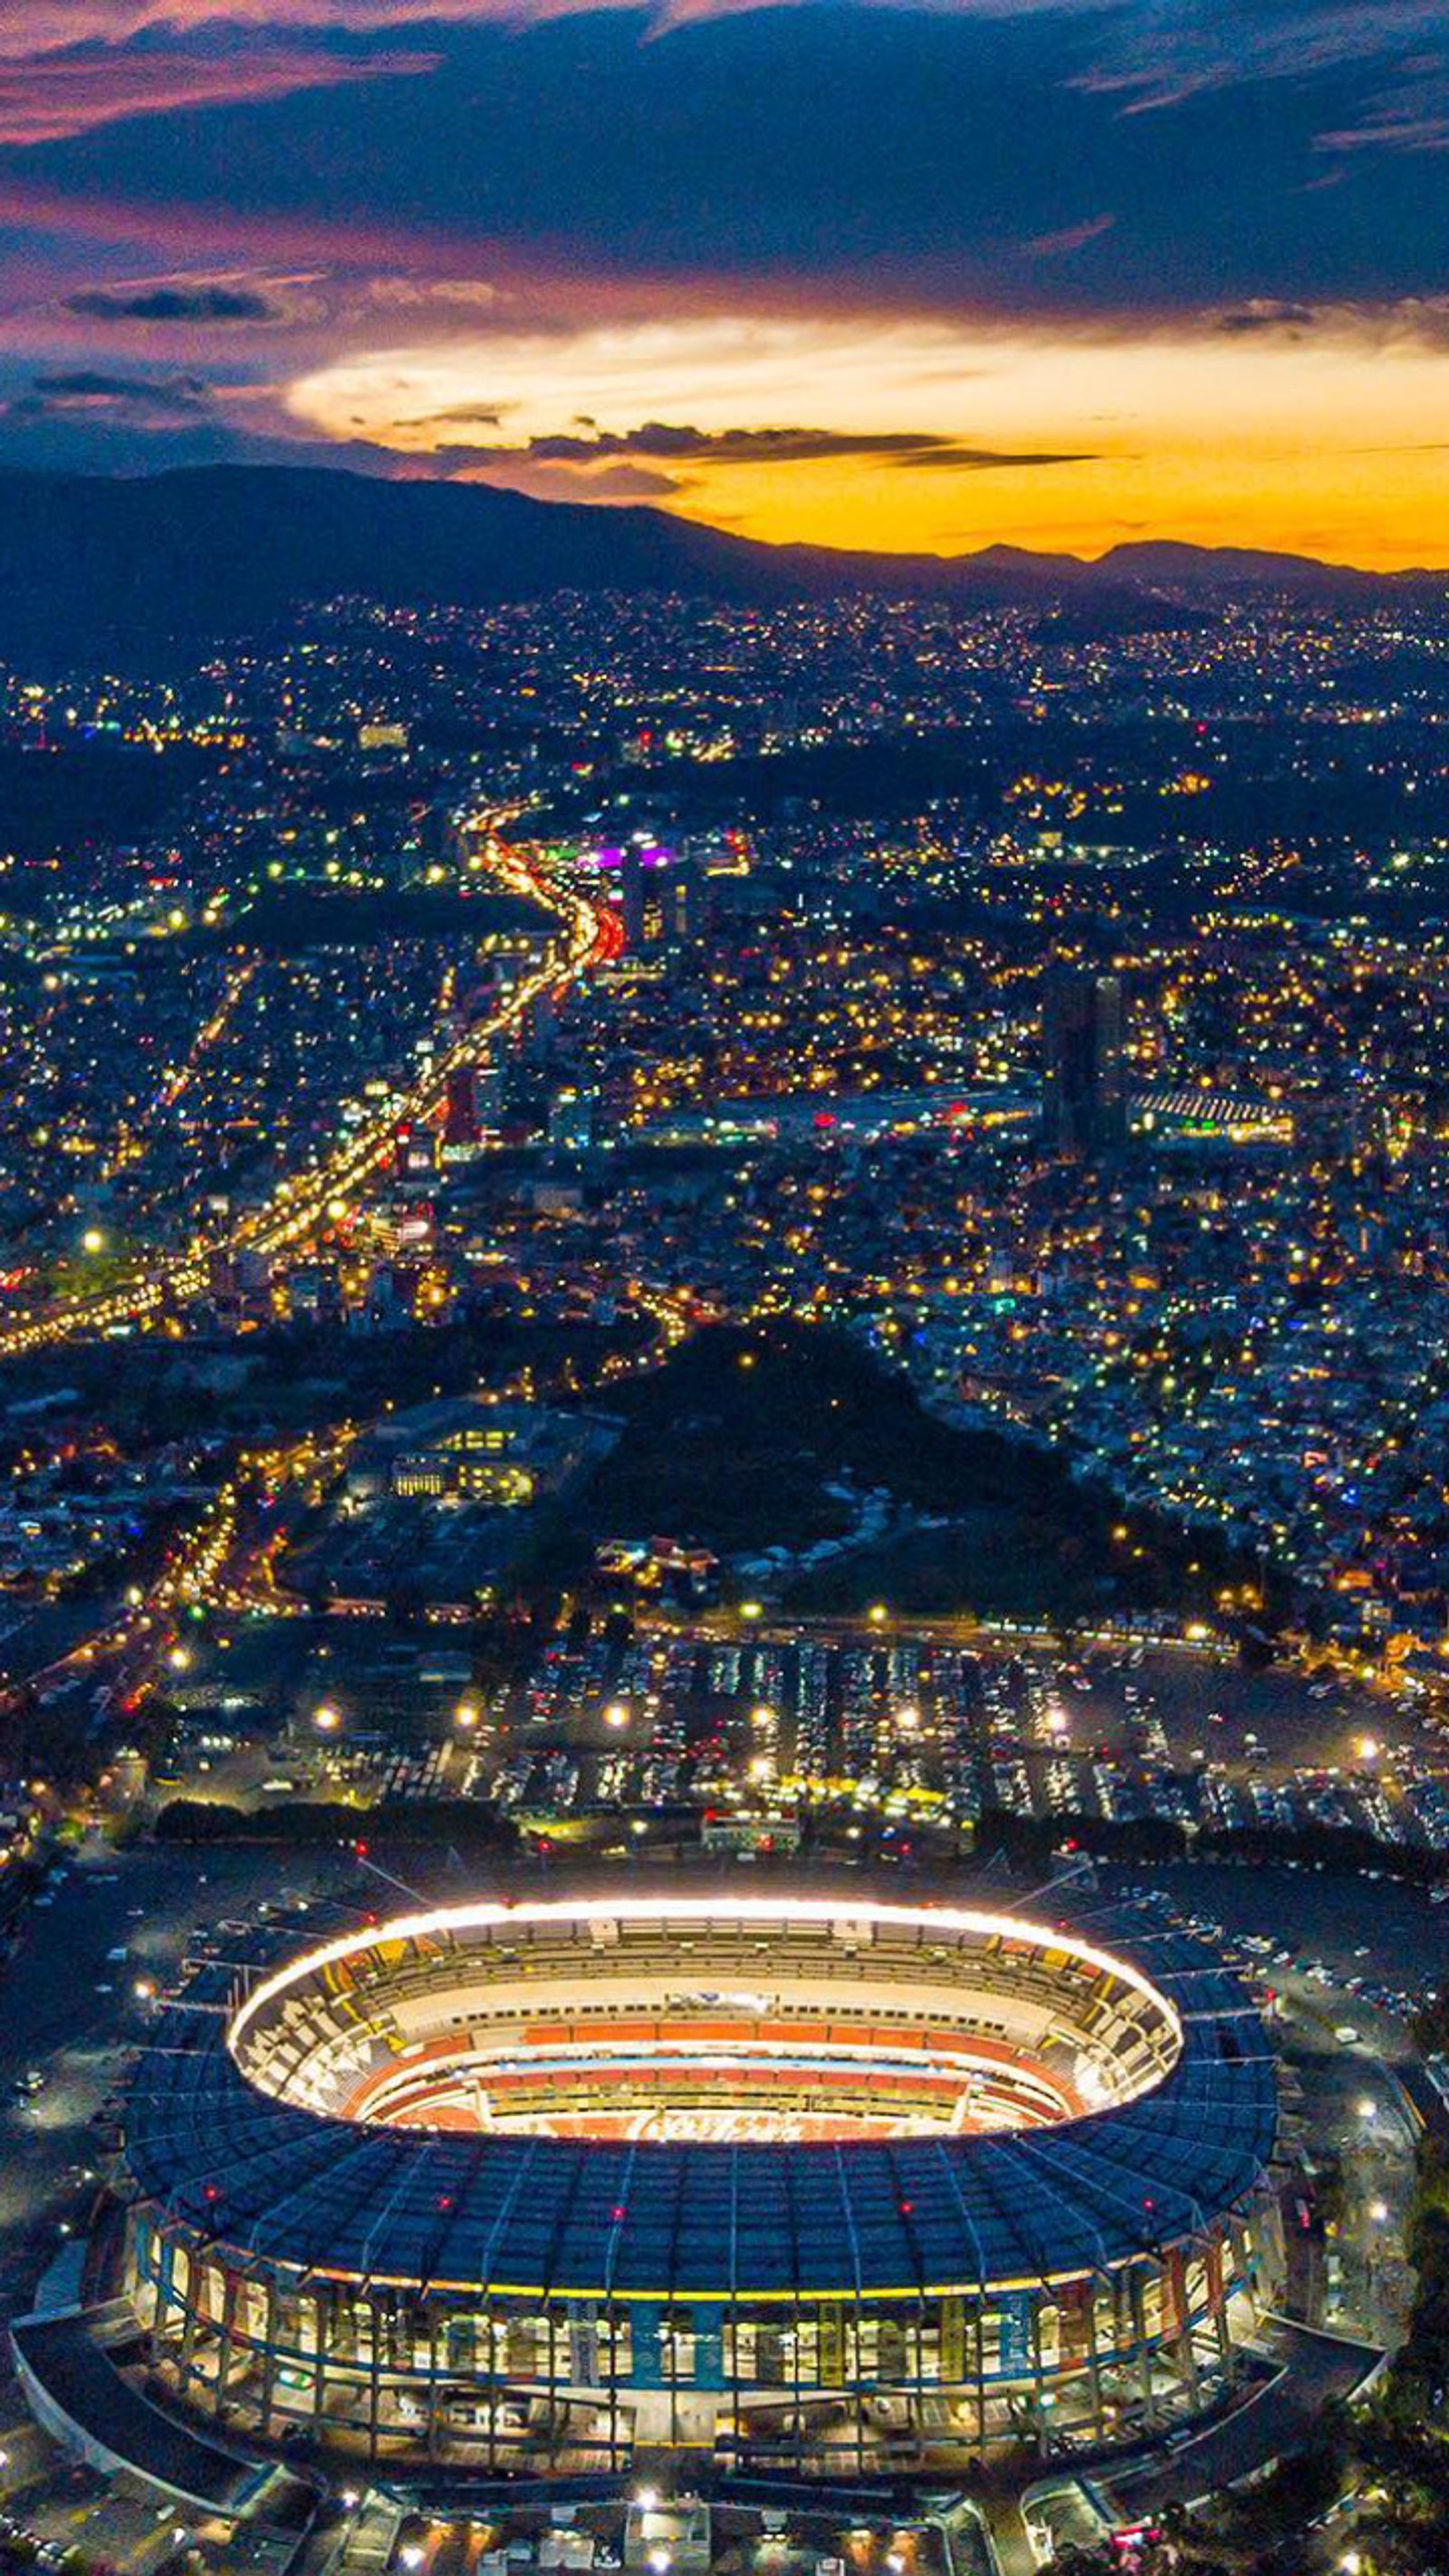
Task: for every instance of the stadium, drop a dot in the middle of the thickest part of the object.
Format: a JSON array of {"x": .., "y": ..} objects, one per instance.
[{"x": 803, "y": 2183}]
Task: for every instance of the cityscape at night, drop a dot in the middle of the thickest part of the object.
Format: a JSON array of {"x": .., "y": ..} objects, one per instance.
[{"x": 724, "y": 1282}]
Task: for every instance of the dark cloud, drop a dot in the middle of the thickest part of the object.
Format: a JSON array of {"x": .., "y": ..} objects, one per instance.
[
  {"x": 1267, "y": 315},
  {"x": 971, "y": 142},
  {"x": 1270, "y": 166},
  {"x": 992, "y": 460},
  {"x": 168, "y": 398},
  {"x": 88, "y": 420},
  {"x": 457, "y": 416},
  {"x": 654, "y": 461},
  {"x": 668, "y": 443},
  {"x": 91, "y": 420},
  {"x": 174, "y": 304}
]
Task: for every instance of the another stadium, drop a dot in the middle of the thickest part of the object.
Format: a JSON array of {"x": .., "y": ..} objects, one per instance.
[{"x": 803, "y": 2183}]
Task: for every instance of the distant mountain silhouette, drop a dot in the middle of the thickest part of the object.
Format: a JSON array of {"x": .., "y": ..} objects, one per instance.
[{"x": 130, "y": 566}]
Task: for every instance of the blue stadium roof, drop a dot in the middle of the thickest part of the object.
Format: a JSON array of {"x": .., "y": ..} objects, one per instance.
[{"x": 283, "y": 2186}]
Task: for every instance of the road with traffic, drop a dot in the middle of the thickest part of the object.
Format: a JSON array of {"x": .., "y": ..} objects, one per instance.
[{"x": 305, "y": 1205}]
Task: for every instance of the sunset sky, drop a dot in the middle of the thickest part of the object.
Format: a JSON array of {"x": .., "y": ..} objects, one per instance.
[{"x": 925, "y": 277}]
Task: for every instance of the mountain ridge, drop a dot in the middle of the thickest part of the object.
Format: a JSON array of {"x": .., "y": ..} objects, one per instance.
[{"x": 214, "y": 551}]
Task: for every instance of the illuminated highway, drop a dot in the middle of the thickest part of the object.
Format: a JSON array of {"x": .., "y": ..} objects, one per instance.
[{"x": 306, "y": 1204}]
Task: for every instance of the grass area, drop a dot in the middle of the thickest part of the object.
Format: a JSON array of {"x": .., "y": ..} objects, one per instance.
[
  {"x": 737, "y": 1442},
  {"x": 998, "y": 1562}
]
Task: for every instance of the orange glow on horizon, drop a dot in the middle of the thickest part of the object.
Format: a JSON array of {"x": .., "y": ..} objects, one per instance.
[{"x": 1311, "y": 443}]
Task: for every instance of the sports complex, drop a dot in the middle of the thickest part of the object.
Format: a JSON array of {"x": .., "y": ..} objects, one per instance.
[{"x": 801, "y": 2182}]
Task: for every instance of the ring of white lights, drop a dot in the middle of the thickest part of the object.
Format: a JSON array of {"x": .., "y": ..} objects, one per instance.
[{"x": 688, "y": 2019}]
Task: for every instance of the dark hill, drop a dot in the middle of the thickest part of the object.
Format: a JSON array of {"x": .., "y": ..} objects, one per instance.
[{"x": 128, "y": 566}]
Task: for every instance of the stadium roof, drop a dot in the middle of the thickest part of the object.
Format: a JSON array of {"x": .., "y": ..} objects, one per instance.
[{"x": 280, "y": 2185}]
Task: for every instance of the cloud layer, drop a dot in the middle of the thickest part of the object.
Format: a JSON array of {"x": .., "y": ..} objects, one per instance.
[
  {"x": 1056, "y": 269},
  {"x": 49, "y": 96}
]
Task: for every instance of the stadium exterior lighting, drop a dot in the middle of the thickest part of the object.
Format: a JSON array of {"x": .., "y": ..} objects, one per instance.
[{"x": 500, "y": 2186}]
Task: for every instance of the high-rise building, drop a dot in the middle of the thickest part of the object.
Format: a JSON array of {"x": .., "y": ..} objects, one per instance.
[
  {"x": 1084, "y": 1086},
  {"x": 571, "y": 1118},
  {"x": 489, "y": 1089},
  {"x": 631, "y": 893},
  {"x": 542, "y": 1025},
  {"x": 460, "y": 1112},
  {"x": 314, "y": 1293},
  {"x": 414, "y": 1151},
  {"x": 687, "y": 903}
]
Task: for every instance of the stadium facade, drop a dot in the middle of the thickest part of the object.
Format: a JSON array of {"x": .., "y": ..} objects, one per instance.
[{"x": 809, "y": 2183}]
